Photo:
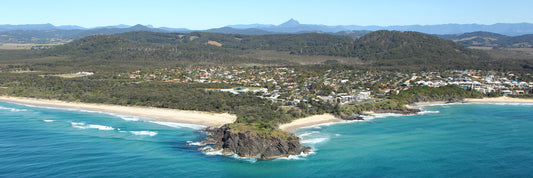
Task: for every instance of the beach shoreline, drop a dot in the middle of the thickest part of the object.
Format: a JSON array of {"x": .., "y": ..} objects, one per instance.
[
  {"x": 218, "y": 119},
  {"x": 487, "y": 100},
  {"x": 502, "y": 99},
  {"x": 329, "y": 118},
  {"x": 162, "y": 114},
  {"x": 309, "y": 121}
]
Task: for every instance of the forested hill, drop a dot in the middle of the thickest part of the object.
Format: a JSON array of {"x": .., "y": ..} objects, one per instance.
[
  {"x": 488, "y": 39},
  {"x": 381, "y": 47},
  {"x": 408, "y": 48}
]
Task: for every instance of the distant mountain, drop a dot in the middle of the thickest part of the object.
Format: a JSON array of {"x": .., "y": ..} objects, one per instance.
[
  {"x": 70, "y": 27},
  {"x": 55, "y": 35},
  {"x": 27, "y": 27},
  {"x": 247, "y": 31},
  {"x": 290, "y": 23},
  {"x": 116, "y": 26},
  {"x": 48, "y": 33},
  {"x": 181, "y": 30},
  {"x": 293, "y": 26}
]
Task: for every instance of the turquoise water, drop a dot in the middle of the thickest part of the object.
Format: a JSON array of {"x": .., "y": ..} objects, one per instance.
[{"x": 463, "y": 140}]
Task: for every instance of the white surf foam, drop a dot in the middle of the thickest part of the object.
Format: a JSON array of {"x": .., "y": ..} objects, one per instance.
[
  {"x": 301, "y": 156},
  {"x": 314, "y": 140},
  {"x": 130, "y": 118},
  {"x": 125, "y": 117},
  {"x": 179, "y": 125},
  {"x": 78, "y": 125},
  {"x": 510, "y": 104},
  {"x": 191, "y": 143},
  {"x": 208, "y": 150},
  {"x": 236, "y": 156},
  {"x": 428, "y": 112},
  {"x": 144, "y": 133},
  {"x": 81, "y": 125},
  {"x": 47, "y": 120},
  {"x": 305, "y": 134},
  {"x": 12, "y": 109}
]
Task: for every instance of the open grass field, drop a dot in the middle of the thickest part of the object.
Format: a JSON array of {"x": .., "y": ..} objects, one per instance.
[{"x": 16, "y": 46}]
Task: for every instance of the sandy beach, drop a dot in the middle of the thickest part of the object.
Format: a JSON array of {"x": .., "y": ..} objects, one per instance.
[
  {"x": 309, "y": 121},
  {"x": 502, "y": 99},
  {"x": 213, "y": 119},
  {"x": 163, "y": 114}
]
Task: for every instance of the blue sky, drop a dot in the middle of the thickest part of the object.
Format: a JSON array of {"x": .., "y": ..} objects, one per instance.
[{"x": 204, "y": 14}]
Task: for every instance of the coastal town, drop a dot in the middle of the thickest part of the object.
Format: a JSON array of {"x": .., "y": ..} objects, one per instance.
[{"x": 290, "y": 86}]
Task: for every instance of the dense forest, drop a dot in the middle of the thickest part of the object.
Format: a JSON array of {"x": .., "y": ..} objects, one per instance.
[
  {"x": 487, "y": 39},
  {"x": 382, "y": 49}
]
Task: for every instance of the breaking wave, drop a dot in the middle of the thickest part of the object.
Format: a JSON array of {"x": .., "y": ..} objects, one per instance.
[
  {"x": 81, "y": 125},
  {"x": 179, "y": 125},
  {"x": 144, "y": 133}
]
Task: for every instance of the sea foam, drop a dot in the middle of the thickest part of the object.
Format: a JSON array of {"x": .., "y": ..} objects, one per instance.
[
  {"x": 12, "y": 109},
  {"x": 179, "y": 125},
  {"x": 191, "y": 143},
  {"x": 144, "y": 133},
  {"x": 314, "y": 140},
  {"x": 81, "y": 125},
  {"x": 301, "y": 156},
  {"x": 427, "y": 112}
]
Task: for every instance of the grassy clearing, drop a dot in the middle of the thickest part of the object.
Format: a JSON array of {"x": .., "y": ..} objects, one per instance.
[
  {"x": 16, "y": 46},
  {"x": 68, "y": 75}
]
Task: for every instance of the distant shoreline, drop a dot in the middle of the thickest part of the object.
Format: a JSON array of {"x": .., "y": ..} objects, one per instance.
[
  {"x": 502, "y": 99},
  {"x": 162, "y": 114},
  {"x": 329, "y": 118}
]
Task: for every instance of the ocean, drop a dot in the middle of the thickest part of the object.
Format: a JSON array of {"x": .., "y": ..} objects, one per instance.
[{"x": 457, "y": 140}]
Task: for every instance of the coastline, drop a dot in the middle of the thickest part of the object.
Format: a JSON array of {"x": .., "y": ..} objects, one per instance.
[
  {"x": 502, "y": 99},
  {"x": 217, "y": 119},
  {"x": 162, "y": 114},
  {"x": 308, "y": 121},
  {"x": 329, "y": 118}
]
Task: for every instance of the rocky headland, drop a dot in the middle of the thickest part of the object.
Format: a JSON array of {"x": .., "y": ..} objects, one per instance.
[{"x": 248, "y": 141}]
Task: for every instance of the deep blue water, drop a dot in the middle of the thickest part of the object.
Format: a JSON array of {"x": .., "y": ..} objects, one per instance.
[{"x": 462, "y": 140}]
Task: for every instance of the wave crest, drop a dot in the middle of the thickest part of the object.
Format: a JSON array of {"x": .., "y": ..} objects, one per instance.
[
  {"x": 179, "y": 125},
  {"x": 144, "y": 133},
  {"x": 12, "y": 109}
]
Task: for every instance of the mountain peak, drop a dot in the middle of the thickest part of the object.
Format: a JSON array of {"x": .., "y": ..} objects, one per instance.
[
  {"x": 140, "y": 27},
  {"x": 290, "y": 23}
]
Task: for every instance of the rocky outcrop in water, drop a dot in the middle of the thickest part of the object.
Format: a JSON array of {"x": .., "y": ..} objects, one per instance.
[{"x": 255, "y": 144}]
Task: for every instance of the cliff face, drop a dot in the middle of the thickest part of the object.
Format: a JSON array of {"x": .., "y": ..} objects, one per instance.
[{"x": 253, "y": 144}]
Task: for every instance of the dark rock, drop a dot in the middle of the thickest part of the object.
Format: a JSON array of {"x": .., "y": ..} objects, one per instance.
[
  {"x": 406, "y": 111},
  {"x": 351, "y": 117},
  {"x": 253, "y": 144}
]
